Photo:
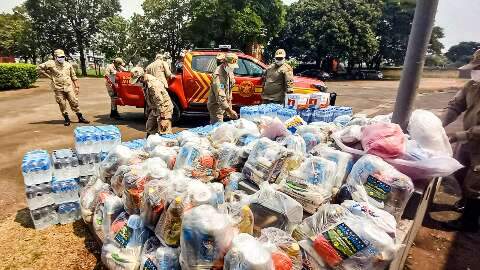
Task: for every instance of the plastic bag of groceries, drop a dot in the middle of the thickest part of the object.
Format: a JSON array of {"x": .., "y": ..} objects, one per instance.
[
  {"x": 273, "y": 128},
  {"x": 170, "y": 222},
  {"x": 343, "y": 160},
  {"x": 230, "y": 159},
  {"x": 116, "y": 182},
  {"x": 285, "y": 244},
  {"x": 265, "y": 162},
  {"x": 359, "y": 120},
  {"x": 342, "y": 120},
  {"x": 156, "y": 140},
  {"x": 156, "y": 256},
  {"x": 123, "y": 247},
  {"x": 384, "y": 140},
  {"x": 248, "y": 253},
  {"x": 378, "y": 183},
  {"x": 108, "y": 208},
  {"x": 225, "y": 133},
  {"x": 154, "y": 202},
  {"x": 295, "y": 143},
  {"x": 206, "y": 236},
  {"x": 312, "y": 183},
  {"x": 187, "y": 136},
  {"x": 134, "y": 183},
  {"x": 336, "y": 238},
  {"x": 427, "y": 129},
  {"x": 89, "y": 198},
  {"x": 246, "y": 126},
  {"x": 197, "y": 161},
  {"x": 167, "y": 154},
  {"x": 120, "y": 155},
  {"x": 313, "y": 135},
  {"x": 381, "y": 218},
  {"x": 273, "y": 208}
]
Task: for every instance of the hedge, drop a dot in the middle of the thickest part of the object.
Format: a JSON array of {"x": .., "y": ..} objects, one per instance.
[{"x": 14, "y": 76}]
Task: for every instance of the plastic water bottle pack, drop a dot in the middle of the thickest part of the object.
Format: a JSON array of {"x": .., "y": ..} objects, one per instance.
[
  {"x": 39, "y": 196},
  {"x": 44, "y": 217},
  {"x": 65, "y": 164},
  {"x": 65, "y": 191},
  {"x": 96, "y": 139},
  {"x": 36, "y": 167},
  {"x": 68, "y": 212}
]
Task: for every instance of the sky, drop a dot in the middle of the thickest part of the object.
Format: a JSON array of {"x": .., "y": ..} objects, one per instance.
[{"x": 459, "y": 18}]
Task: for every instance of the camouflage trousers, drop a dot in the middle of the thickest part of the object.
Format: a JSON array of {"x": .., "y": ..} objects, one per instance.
[
  {"x": 62, "y": 97},
  {"x": 113, "y": 98},
  {"x": 156, "y": 124}
]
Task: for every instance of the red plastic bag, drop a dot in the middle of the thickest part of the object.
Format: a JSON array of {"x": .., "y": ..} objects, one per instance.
[{"x": 385, "y": 140}]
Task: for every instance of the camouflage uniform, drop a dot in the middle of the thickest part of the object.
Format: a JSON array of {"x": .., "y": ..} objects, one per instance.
[
  {"x": 161, "y": 70},
  {"x": 278, "y": 81},
  {"x": 159, "y": 106},
  {"x": 62, "y": 77},
  {"x": 111, "y": 71},
  {"x": 220, "y": 94}
]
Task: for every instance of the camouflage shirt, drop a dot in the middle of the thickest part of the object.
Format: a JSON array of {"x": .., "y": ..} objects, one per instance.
[
  {"x": 278, "y": 81},
  {"x": 157, "y": 98},
  {"x": 161, "y": 70},
  {"x": 61, "y": 75},
  {"x": 221, "y": 88}
]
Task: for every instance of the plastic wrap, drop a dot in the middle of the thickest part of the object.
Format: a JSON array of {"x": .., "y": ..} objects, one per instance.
[
  {"x": 156, "y": 256},
  {"x": 312, "y": 183},
  {"x": 245, "y": 126},
  {"x": 230, "y": 159},
  {"x": 205, "y": 238},
  {"x": 156, "y": 140},
  {"x": 116, "y": 182},
  {"x": 272, "y": 208},
  {"x": 197, "y": 162},
  {"x": 187, "y": 136},
  {"x": 108, "y": 208},
  {"x": 427, "y": 129},
  {"x": 344, "y": 161},
  {"x": 265, "y": 161},
  {"x": 89, "y": 199},
  {"x": 120, "y": 155},
  {"x": 285, "y": 243},
  {"x": 154, "y": 202},
  {"x": 343, "y": 240},
  {"x": 350, "y": 134},
  {"x": 313, "y": 135},
  {"x": 168, "y": 227},
  {"x": 273, "y": 129},
  {"x": 243, "y": 219},
  {"x": 294, "y": 143},
  {"x": 167, "y": 154},
  {"x": 225, "y": 133},
  {"x": 134, "y": 183},
  {"x": 342, "y": 120},
  {"x": 381, "y": 218},
  {"x": 374, "y": 181},
  {"x": 248, "y": 253},
  {"x": 384, "y": 140}
]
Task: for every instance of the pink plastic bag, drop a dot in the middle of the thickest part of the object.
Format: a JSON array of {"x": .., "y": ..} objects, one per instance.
[{"x": 384, "y": 140}]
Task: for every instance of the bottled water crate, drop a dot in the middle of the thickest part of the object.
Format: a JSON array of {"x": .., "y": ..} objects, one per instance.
[
  {"x": 36, "y": 167},
  {"x": 39, "y": 195},
  {"x": 44, "y": 217},
  {"x": 68, "y": 212},
  {"x": 65, "y": 191},
  {"x": 65, "y": 164},
  {"x": 96, "y": 139}
]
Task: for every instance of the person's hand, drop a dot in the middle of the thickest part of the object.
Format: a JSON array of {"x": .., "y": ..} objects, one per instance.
[
  {"x": 232, "y": 114},
  {"x": 77, "y": 90},
  {"x": 163, "y": 125},
  {"x": 452, "y": 137}
]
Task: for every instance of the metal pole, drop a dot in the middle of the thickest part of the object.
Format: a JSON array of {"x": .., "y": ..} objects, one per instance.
[{"x": 413, "y": 67}]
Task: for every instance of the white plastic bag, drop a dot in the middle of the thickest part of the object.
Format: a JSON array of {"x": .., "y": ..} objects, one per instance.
[
  {"x": 426, "y": 128},
  {"x": 343, "y": 160},
  {"x": 248, "y": 253}
]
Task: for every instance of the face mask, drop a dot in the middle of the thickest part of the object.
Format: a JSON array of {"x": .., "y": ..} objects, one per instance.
[
  {"x": 279, "y": 62},
  {"x": 476, "y": 75},
  {"x": 228, "y": 69},
  {"x": 61, "y": 60}
]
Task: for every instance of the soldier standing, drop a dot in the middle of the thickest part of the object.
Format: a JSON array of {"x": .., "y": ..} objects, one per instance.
[
  {"x": 278, "y": 80},
  {"x": 468, "y": 100},
  {"x": 160, "y": 69},
  {"x": 220, "y": 94},
  {"x": 158, "y": 102},
  {"x": 111, "y": 70},
  {"x": 64, "y": 83}
]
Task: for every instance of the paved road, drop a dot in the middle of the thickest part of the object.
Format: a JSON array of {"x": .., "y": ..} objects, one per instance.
[{"x": 30, "y": 119}]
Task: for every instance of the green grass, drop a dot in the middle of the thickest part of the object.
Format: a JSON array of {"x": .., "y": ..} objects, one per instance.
[
  {"x": 395, "y": 73},
  {"x": 90, "y": 73}
]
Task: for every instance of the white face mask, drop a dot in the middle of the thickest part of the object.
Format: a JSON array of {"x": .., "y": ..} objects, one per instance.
[
  {"x": 280, "y": 62},
  {"x": 476, "y": 75},
  {"x": 61, "y": 60}
]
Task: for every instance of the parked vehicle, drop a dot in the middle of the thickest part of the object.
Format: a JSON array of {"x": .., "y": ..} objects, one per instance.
[
  {"x": 189, "y": 88},
  {"x": 315, "y": 73},
  {"x": 364, "y": 74}
]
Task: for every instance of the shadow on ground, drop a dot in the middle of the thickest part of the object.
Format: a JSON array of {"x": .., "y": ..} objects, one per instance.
[
  {"x": 23, "y": 218},
  {"x": 92, "y": 243},
  {"x": 133, "y": 120}
]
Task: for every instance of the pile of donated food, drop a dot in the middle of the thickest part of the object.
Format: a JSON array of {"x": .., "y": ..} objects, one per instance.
[{"x": 329, "y": 194}]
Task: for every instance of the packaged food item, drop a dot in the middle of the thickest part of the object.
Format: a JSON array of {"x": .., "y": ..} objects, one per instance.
[
  {"x": 170, "y": 223},
  {"x": 108, "y": 208},
  {"x": 265, "y": 162},
  {"x": 154, "y": 202},
  {"x": 297, "y": 101},
  {"x": 378, "y": 183},
  {"x": 134, "y": 183},
  {"x": 385, "y": 140},
  {"x": 197, "y": 162},
  {"x": 248, "y": 253},
  {"x": 244, "y": 220},
  {"x": 293, "y": 123},
  {"x": 344, "y": 161},
  {"x": 230, "y": 159},
  {"x": 205, "y": 238},
  {"x": 119, "y": 155},
  {"x": 167, "y": 154},
  {"x": 285, "y": 245},
  {"x": 381, "y": 218},
  {"x": 89, "y": 198},
  {"x": 319, "y": 100}
]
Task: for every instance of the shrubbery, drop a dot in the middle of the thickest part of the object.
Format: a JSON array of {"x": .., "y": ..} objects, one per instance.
[{"x": 17, "y": 75}]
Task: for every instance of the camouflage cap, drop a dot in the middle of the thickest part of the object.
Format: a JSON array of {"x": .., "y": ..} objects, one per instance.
[
  {"x": 475, "y": 62},
  {"x": 231, "y": 59},
  {"x": 137, "y": 72},
  {"x": 220, "y": 57},
  {"x": 59, "y": 53},
  {"x": 280, "y": 53},
  {"x": 119, "y": 61},
  {"x": 159, "y": 56}
]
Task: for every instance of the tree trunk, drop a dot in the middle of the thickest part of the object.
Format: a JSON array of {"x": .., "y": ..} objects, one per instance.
[{"x": 81, "y": 48}]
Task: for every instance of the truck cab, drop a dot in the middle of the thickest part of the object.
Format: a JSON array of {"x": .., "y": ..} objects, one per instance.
[{"x": 191, "y": 83}]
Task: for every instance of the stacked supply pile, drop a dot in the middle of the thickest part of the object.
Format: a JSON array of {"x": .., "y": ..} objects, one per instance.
[
  {"x": 37, "y": 176},
  {"x": 173, "y": 202}
]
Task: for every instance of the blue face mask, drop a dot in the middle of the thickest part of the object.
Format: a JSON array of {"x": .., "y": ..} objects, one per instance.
[{"x": 61, "y": 60}]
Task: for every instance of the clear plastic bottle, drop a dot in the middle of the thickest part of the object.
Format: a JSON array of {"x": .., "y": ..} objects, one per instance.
[
  {"x": 173, "y": 223},
  {"x": 246, "y": 220}
]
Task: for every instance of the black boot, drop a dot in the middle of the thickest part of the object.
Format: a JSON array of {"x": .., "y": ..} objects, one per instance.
[
  {"x": 114, "y": 114},
  {"x": 67, "y": 119},
  {"x": 459, "y": 205},
  {"x": 469, "y": 220},
  {"x": 81, "y": 119}
]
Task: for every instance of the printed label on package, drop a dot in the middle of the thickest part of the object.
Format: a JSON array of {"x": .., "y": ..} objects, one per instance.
[
  {"x": 377, "y": 189},
  {"x": 123, "y": 236},
  {"x": 344, "y": 240},
  {"x": 149, "y": 265},
  {"x": 208, "y": 248}
]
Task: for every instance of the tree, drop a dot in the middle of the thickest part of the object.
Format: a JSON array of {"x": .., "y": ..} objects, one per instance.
[
  {"x": 70, "y": 24},
  {"x": 436, "y": 60},
  {"x": 340, "y": 28},
  {"x": 461, "y": 53},
  {"x": 112, "y": 38},
  {"x": 436, "y": 46}
]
